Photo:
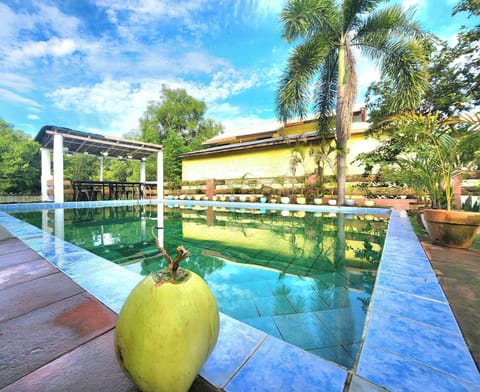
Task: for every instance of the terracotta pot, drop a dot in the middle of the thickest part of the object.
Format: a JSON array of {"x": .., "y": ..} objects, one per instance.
[{"x": 455, "y": 229}]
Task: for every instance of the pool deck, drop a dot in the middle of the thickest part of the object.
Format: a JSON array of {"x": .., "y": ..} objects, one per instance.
[{"x": 56, "y": 333}]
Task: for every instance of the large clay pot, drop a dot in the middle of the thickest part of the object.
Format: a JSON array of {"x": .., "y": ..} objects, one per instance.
[
  {"x": 455, "y": 229},
  {"x": 165, "y": 331}
]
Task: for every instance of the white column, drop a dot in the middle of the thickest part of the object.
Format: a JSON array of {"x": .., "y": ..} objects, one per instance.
[
  {"x": 142, "y": 171},
  {"x": 101, "y": 168},
  {"x": 160, "y": 175},
  {"x": 160, "y": 229},
  {"x": 58, "y": 168},
  {"x": 46, "y": 174},
  {"x": 59, "y": 223}
]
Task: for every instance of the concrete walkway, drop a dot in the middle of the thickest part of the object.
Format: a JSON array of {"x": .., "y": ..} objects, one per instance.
[{"x": 458, "y": 272}]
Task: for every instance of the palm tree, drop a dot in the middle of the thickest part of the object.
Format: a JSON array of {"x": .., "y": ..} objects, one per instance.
[{"x": 330, "y": 31}]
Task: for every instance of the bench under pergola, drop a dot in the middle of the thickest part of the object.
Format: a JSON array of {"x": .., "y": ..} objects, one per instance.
[{"x": 60, "y": 140}]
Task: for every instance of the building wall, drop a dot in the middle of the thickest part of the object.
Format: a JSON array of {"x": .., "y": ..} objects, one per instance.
[{"x": 266, "y": 162}]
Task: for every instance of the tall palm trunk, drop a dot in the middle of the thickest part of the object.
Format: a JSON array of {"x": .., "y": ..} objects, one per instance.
[
  {"x": 341, "y": 145},
  {"x": 346, "y": 91}
]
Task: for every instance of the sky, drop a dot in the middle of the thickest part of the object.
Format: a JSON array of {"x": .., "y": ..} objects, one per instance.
[{"x": 95, "y": 65}]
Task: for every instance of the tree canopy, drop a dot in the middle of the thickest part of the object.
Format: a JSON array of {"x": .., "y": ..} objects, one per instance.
[
  {"x": 177, "y": 122},
  {"x": 324, "y": 59},
  {"x": 19, "y": 162},
  {"x": 453, "y": 88}
]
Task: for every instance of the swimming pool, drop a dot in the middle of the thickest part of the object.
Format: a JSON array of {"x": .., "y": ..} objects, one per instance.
[
  {"x": 304, "y": 277},
  {"x": 410, "y": 338}
]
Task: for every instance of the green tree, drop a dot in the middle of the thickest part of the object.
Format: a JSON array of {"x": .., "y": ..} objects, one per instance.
[
  {"x": 81, "y": 167},
  {"x": 177, "y": 122},
  {"x": 453, "y": 88},
  {"x": 468, "y": 50},
  {"x": 330, "y": 31},
  {"x": 19, "y": 161}
]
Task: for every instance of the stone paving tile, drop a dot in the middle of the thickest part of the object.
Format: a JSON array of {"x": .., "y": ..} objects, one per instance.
[
  {"x": 8, "y": 259},
  {"x": 32, "y": 340},
  {"x": 36, "y": 294},
  {"x": 12, "y": 245},
  {"x": 24, "y": 272},
  {"x": 90, "y": 367},
  {"x": 458, "y": 271}
]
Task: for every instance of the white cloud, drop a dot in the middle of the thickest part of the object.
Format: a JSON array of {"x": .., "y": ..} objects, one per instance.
[
  {"x": 33, "y": 117},
  {"x": 9, "y": 96},
  {"x": 119, "y": 103},
  {"x": 54, "y": 47},
  {"x": 16, "y": 82},
  {"x": 242, "y": 125},
  {"x": 8, "y": 27},
  {"x": 50, "y": 18}
]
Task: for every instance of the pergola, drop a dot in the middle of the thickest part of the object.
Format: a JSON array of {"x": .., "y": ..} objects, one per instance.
[{"x": 60, "y": 140}]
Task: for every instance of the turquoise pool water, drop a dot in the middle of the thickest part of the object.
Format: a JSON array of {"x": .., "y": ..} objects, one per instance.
[{"x": 304, "y": 277}]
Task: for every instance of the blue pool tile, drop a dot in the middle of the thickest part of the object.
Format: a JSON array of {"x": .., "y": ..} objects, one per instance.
[
  {"x": 80, "y": 265},
  {"x": 305, "y": 330},
  {"x": 402, "y": 374},
  {"x": 273, "y": 305},
  {"x": 359, "y": 384},
  {"x": 265, "y": 324},
  {"x": 437, "y": 314},
  {"x": 277, "y": 366},
  {"x": 352, "y": 349},
  {"x": 110, "y": 285},
  {"x": 427, "y": 288},
  {"x": 345, "y": 323},
  {"x": 335, "y": 354},
  {"x": 236, "y": 342},
  {"x": 431, "y": 346},
  {"x": 418, "y": 269},
  {"x": 46, "y": 241},
  {"x": 240, "y": 309}
]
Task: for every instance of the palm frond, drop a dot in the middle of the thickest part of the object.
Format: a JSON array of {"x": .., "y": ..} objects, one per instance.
[
  {"x": 292, "y": 96},
  {"x": 326, "y": 93},
  {"x": 353, "y": 9},
  {"x": 303, "y": 18},
  {"x": 405, "y": 63},
  {"x": 388, "y": 22}
]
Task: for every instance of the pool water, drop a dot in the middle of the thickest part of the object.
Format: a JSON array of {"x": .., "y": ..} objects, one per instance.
[{"x": 304, "y": 277}]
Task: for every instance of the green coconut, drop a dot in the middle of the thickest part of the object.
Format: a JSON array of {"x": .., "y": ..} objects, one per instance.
[{"x": 167, "y": 328}]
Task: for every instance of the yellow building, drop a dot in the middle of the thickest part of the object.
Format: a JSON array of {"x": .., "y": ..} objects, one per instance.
[{"x": 267, "y": 154}]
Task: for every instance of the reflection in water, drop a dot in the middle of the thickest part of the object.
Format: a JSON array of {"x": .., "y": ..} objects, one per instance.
[{"x": 306, "y": 278}]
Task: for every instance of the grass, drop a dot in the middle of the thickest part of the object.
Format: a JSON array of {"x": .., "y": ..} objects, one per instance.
[{"x": 476, "y": 244}]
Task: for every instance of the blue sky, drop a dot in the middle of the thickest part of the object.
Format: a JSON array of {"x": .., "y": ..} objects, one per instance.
[{"x": 94, "y": 65}]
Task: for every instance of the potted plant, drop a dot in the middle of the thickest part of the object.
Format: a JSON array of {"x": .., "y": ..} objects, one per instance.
[
  {"x": 441, "y": 152},
  {"x": 252, "y": 184},
  {"x": 349, "y": 199},
  {"x": 266, "y": 194}
]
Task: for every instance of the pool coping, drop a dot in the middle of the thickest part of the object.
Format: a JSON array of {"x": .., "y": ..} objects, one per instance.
[{"x": 411, "y": 337}]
